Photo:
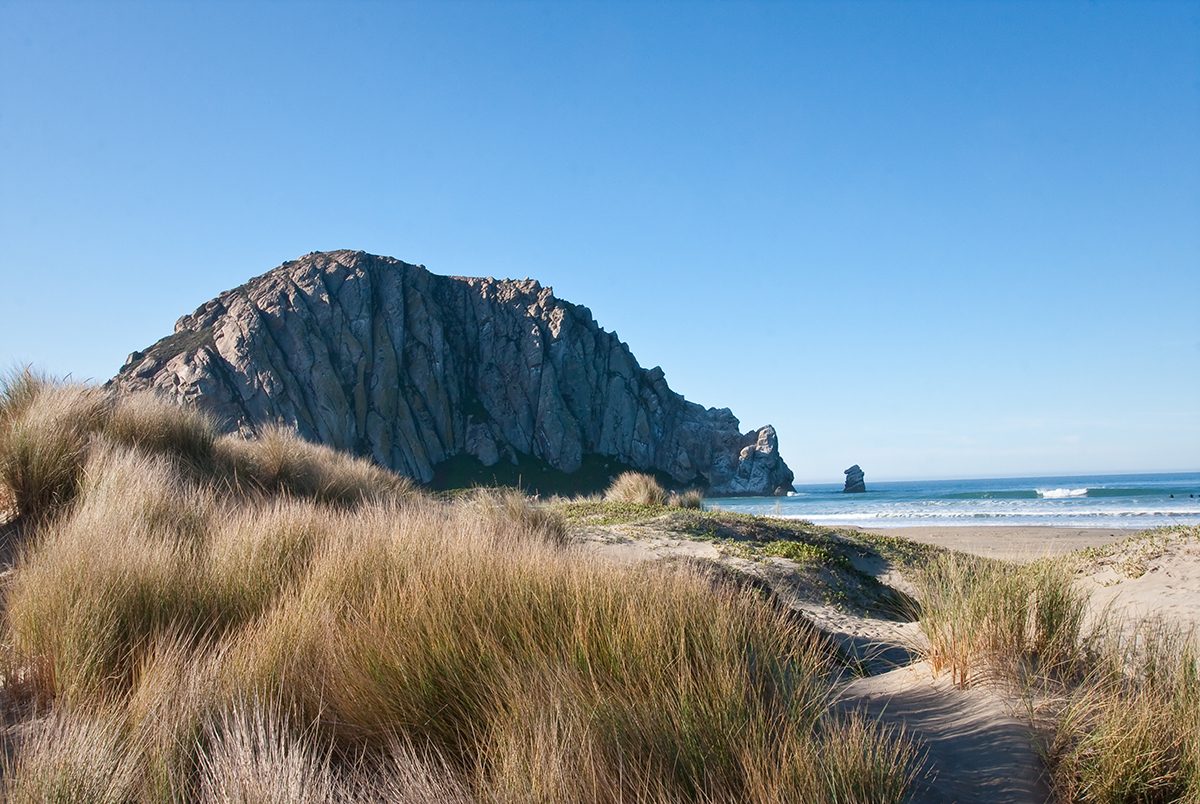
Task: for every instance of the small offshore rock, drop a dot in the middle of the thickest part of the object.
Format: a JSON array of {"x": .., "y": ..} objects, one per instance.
[{"x": 854, "y": 481}]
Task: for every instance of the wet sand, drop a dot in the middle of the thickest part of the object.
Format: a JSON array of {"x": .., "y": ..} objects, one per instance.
[{"x": 1013, "y": 543}]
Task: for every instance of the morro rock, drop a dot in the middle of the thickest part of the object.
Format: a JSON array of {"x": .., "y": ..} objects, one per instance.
[
  {"x": 439, "y": 376},
  {"x": 854, "y": 480}
]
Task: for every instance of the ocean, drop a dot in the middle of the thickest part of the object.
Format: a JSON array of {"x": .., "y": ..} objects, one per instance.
[{"x": 1131, "y": 502}]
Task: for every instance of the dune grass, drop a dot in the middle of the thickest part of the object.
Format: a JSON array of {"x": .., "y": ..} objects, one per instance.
[
  {"x": 640, "y": 489},
  {"x": 989, "y": 620},
  {"x": 48, "y": 430},
  {"x": 72, "y": 756},
  {"x": 692, "y": 498},
  {"x": 637, "y": 488},
  {"x": 43, "y": 446},
  {"x": 1118, "y": 700},
  {"x": 1130, "y": 730},
  {"x": 204, "y": 618},
  {"x": 278, "y": 462}
]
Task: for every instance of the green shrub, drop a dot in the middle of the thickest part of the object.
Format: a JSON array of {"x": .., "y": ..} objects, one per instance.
[{"x": 800, "y": 552}]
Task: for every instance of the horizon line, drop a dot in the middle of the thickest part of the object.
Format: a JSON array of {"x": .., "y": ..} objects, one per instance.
[{"x": 896, "y": 479}]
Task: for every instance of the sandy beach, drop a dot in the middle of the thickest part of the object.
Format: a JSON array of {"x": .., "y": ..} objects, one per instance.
[{"x": 1011, "y": 543}]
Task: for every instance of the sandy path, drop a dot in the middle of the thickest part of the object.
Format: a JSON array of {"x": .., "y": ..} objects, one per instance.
[
  {"x": 1011, "y": 543},
  {"x": 976, "y": 751}
]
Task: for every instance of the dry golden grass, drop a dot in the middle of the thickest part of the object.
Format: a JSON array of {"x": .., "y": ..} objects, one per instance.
[
  {"x": 497, "y": 510},
  {"x": 642, "y": 489},
  {"x": 280, "y": 462},
  {"x": 8, "y": 505},
  {"x": 989, "y": 620},
  {"x": 692, "y": 498},
  {"x": 255, "y": 756},
  {"x": 72, "y": 756},
  {"x": 154, "y": 424},
  {"x": 1120, "y": 700},
  {"x": 19, "y": 389},
  {"x": 44, "y": 444},
  {"x": 636, "y": 487},
  {"x": 237, "y": 620},
  {"x": 48, "y": 431},
  {"x": 1130, "y": 729}
]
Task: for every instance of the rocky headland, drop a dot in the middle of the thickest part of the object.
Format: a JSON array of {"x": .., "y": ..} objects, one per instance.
[{"x": 449, "y": 380}]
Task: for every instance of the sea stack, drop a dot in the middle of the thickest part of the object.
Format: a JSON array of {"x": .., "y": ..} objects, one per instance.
[
  {"x": 446, "y": 376},
  {"x": 854, "y": 481}
]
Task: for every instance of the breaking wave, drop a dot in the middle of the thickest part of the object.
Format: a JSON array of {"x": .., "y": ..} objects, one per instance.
[
  {"x": 1113, "y": 501},
  {"x": 1059, "y": 494},
  {"x": 1064, "y": 493}
]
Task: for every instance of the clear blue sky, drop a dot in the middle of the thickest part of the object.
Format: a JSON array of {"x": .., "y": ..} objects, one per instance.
[{"x": 936, "y": 239}]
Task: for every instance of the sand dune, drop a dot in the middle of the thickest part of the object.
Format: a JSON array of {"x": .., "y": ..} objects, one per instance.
[
  {"x": 980, "y": 745},
  {"x": 977, "y": 750}
]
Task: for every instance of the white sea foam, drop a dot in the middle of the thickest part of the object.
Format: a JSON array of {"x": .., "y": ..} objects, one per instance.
[
  {"x": 1117, "y": 502},
  {"x": 1058, "y": 494},
  {"x": 968, "y": 515}
]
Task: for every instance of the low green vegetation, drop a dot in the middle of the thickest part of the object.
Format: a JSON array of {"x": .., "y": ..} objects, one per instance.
[
  {"x": 601, "y": 512},
  {"x": 199, "y": 618},
  {"x": 1132, "y": 556},
  {"x": 801, "y": 552},
  {"x": 827, "y": 558},
  {"x": 902, "y": 553}
]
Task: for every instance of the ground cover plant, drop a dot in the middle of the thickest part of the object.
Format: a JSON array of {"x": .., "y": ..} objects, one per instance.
[
  {"x": 839, "y": 561},
  {"x": 202, "y": 617}
]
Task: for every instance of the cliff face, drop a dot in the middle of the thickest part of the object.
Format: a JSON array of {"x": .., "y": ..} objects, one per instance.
[{"x": 382, "y": 358}]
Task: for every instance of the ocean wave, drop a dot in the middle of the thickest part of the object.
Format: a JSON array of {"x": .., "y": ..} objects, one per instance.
[
  {"x": 1113, "y": 491},
  {"x": 1068, "y": 493},
  {"x": 1059, "y": 494}
]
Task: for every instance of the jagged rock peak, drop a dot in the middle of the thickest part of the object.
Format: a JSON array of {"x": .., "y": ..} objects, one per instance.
[
  {"x": 420, "y": 371},
  {"x": 855, "y": 480}
]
